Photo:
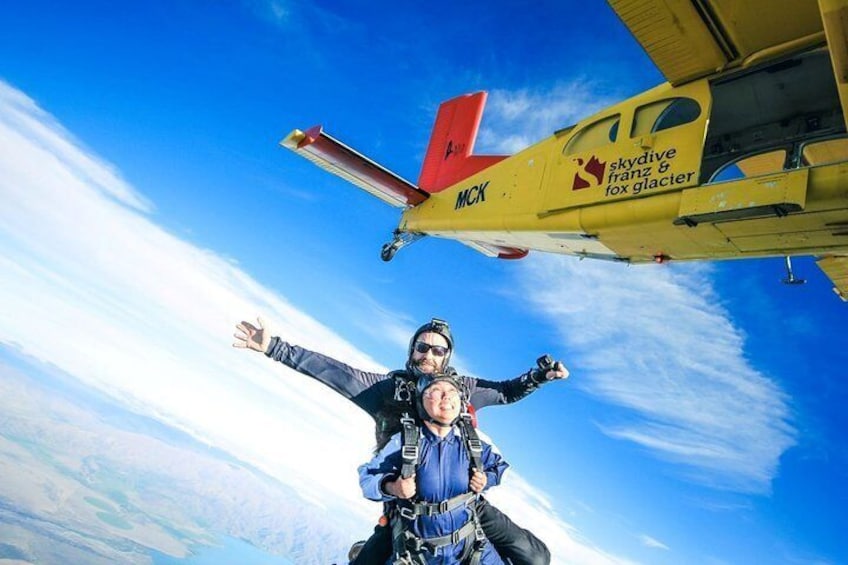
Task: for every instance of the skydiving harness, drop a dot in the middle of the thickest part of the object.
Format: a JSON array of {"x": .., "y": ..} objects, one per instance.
[{"x": 409, "y": 548}]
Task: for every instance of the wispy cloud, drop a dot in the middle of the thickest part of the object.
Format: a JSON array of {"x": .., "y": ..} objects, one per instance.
[
  {"x": 531, "y": 508},
  {"x": 515, "y": 119},
  {"x": 26, "y": 122},
  {"x": 656, "y": 341},
  {"x": 374, "y": 319},
  {"x": 277, "y": 12},
  {"x": 648, "y": 541},
  {"x": 301, "y": 18},
  {"x": 96, "y": 288}
]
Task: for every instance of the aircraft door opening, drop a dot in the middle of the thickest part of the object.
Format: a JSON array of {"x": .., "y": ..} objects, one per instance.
[{"x": 772, "y": 110}]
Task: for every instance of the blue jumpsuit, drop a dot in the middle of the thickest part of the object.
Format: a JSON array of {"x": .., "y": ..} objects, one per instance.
[{"x": 442, "y": 473}]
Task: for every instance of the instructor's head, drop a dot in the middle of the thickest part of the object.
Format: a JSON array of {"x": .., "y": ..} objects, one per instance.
[{"x": 430, "y": 348}]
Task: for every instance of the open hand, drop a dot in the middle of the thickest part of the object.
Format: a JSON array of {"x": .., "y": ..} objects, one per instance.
[{"x": 249, "y": 336}]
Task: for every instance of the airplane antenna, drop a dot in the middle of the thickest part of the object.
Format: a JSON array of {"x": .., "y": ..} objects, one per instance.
[{"x": 790, "y": 276}]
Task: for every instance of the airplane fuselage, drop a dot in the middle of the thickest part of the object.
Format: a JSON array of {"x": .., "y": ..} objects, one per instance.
[{"x": 643, "y": 180}]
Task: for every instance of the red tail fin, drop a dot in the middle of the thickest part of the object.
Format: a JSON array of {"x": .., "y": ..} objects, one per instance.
[{"x": 449, "y": 158}]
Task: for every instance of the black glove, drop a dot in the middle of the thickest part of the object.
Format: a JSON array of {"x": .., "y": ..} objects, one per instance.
[{"x": 544, "y": 364}]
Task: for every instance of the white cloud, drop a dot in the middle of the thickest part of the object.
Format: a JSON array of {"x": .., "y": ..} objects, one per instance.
[
  {"x": 24, "y": 121},
  {"x": 380, "y": 323},
  {"x": 530, "y": 508},
  {"x": 95, "y": 288},
  {"x": 648, "y": 541},
  {"x": 660, "y": 345},
  {"x": 92, "y": 286},
  {"x": 514, "y": 120}
]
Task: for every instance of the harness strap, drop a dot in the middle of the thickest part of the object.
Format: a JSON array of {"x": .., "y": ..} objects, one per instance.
[
  {"x": 470, "y": 528},
  {"x": 410, "y": 510},
  {"x": 476, "y": 554},
  {"x": 403, "y": 552},
  {"x": 472, "y": 441},
  {"x": 409, "y": 447},
  {"x": 408, "y": 548},
  {"x": 409, "y": 453}
]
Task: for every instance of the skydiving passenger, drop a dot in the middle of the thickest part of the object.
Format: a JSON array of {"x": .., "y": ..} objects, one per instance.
[
  {"x": 431, "y": 474},
  {"x": 386, "y": 397}
]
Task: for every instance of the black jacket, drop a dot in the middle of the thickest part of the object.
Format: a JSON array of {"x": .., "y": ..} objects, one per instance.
[{"x": 375, "y": 392}]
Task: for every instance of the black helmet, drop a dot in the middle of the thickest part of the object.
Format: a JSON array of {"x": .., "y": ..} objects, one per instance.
[
  {"x": 425, "y": 381},
  {"x": 435, "y": 326}
]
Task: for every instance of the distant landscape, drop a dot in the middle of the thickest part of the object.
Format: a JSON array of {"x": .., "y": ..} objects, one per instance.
[{"x": 87, "y": 481}]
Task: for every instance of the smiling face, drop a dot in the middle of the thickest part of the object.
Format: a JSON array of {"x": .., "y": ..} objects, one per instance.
[
  {"x": 441, "y": 402},
  {"x": 428, "y": 361}
]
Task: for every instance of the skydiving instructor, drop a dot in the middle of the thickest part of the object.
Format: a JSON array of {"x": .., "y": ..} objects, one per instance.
[{"x": 386, "y": 397}]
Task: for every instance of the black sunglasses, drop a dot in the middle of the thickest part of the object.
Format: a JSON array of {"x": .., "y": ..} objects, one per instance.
[{"x": 438, "y": 350}]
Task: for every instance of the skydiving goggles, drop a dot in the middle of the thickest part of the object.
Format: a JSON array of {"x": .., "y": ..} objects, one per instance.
[{"x": 438, "y": 350}]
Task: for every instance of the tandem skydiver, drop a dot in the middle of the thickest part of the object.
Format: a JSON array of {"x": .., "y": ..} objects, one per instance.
[
  {"x": 385, "y": 397},
  {"x": 430, "y": 475}
]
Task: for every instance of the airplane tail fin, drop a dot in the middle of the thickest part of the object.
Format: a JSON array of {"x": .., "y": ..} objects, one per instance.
[{"x": 449, "y": 156}]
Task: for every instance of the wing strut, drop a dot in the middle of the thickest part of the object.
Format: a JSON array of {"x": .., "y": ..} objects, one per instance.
[{"x": 790, "y": 276}]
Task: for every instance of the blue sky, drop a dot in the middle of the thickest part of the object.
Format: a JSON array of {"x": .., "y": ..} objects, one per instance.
[{"x": 147, "y": 208}]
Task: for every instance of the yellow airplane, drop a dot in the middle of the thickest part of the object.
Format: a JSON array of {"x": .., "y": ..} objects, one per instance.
[{"x": 742, "y": 153}]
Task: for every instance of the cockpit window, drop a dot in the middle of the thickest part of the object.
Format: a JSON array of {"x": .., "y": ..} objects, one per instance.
[
  {"x": 600, "y": 133},
  {"x": 664, "y": 114}
]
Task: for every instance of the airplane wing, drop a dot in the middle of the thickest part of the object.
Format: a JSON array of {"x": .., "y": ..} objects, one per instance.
[
  {"x": 335, "y": 157},
  {"x": 836, "y": 269},
  {"x": 689, "y": 39},
  {"x": 835, "y": 20}
]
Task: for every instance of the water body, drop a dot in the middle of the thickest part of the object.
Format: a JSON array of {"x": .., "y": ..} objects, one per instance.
[{"x": 231, "y": 551}]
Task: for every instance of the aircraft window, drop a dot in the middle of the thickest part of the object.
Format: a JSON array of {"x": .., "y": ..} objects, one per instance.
[
  {"x": 680, "y": 111},
  {"x": 823, "y": 152},
  {"x": 600, "y": 133},
  {"x": 664, "y": 114},
  {"x": 613, "y": 132},
  {"x": 752, "y": 166}
]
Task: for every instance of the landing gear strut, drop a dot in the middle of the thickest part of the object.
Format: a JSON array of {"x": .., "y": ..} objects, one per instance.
[{"x": 400, "y": 239}]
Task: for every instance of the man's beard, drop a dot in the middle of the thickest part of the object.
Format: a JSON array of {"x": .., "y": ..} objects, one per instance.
[{"x": 431, "y": 368}]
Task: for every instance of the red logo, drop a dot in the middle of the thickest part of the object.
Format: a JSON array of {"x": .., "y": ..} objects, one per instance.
[
  {"x": 593, "y": 168},
  {"x": 453, "y": 148}
]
